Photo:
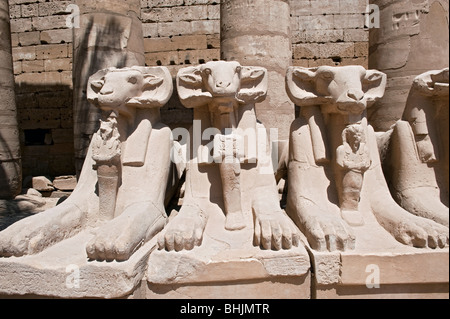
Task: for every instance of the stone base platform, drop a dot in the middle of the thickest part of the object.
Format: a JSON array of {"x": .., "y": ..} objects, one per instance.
[
  {"x": 231, "y": 274},
  {"x": 64, "y": 271},
  {"x": 380, "y": 268}
]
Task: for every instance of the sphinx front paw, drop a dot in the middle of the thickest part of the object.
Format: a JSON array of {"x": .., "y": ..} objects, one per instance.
[
  {"x": 275, "y": 231},
  {"x": 185, "y": 231}
]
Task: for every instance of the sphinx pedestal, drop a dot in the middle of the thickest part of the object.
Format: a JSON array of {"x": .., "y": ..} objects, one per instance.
[
  {"x": 64, "y": 271},
  {"x": 380, "y": 267},
  {"x": 227, "y": 266}
]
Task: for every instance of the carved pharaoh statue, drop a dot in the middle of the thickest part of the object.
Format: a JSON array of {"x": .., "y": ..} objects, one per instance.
[
  {"x": 121, "y": 191},
  {"x": 334, "y": 167},
  {"x": 230, "y": 185}
]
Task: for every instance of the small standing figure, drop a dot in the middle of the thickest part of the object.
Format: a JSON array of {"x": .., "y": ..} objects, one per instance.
[
  {"x": 353, "y": 158},
  {"x": 106, "y": 145},
  {"x": 106, "y": 155}
]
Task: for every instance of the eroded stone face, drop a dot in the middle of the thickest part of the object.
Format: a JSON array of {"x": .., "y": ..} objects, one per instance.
[{"x": 326, "y": 190}]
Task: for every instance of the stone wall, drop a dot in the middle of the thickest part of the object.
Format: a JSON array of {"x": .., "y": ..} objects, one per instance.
[
  {"x": 42, "y": 54},
  {"x": 177, "y": 33},
  {"x": 329, "y": 32}
]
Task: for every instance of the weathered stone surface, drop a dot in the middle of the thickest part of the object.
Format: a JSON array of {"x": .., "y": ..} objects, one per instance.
[
  {"x": 42, "y": 183},
  {"x": 130, "y": 213},
  {"x": 64, "y": 271},
  {"x": 334, "y": 100},
  {"x": 95, "y": 41},
  {"x": 65, "y": 183},
  {"x": 412, "y": 39},
  {"x": 261, "y": 39},
  {"x": 417, "y": 161}
]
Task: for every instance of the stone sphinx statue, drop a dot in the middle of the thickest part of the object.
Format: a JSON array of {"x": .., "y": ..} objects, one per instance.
[
  {"x": 335, "y": 176},
  {"x": 121, "y": 190},
  {"x": 230, "y": 185},
  {"x": 417, "y": 162}
]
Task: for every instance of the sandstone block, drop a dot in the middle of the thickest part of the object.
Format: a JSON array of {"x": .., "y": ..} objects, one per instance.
[
  {"x": 24, "y": 53},
  {"x": 21, "y": 25},
  {"x": 205, "y": 26},
  {"x": 150, "y": 30},
  {"x": 158, "y": 15},
  {"x": 317, "y": 22},
  {"x": 356, "y": 35},
  {"x": 166, "y": 29},
  {"x": 352, "y": 6},
  {"x": 349, "y": 21},
  {"x": 164, "y": 3},
  {"x": 14, "y": 12},
  {"x": 51, "y": 51},
  {"x": 29, "y": 38},
  {"x": 17, "y": 66},
  {"x": 65, "y": 183},
  {"x": 29, "y": 10},
  {"x": 33, "y": 66},
  {"x": 56, "y": 36},
  {"x": 344, "y": 50},
  {"x": 42, "y": 184},
  {"x": 49, "y": 22},
  {"x": 58, "y": 65},
  {"x": 306, "y": 51},
  {"x": 324, "y": 36},
  {"x": 53, "y": 8},
  {"x": 187, "y": 42},
  {"x": 190, "y": 14}
]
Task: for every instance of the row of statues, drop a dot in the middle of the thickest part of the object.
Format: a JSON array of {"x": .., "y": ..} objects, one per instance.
[{"x": 333, "y": 164}]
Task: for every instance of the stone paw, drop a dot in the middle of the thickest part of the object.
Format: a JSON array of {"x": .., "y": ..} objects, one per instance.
[
  {"x": 185, "y": 231},
  {"x": 35, "y": 233},
  {"x": 421, "y": 233},
  {"x": 121, "y": 237},
  {"x": 275, "y": 231},
  {"x": 326, "y": 232}
]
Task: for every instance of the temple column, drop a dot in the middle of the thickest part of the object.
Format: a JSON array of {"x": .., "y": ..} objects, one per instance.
[
  {"x": 412, "y": 38},
  {"x": 10, "y": 155},
  {"x": 258, "y": 33},
  {"x": 109, "y": 35}
]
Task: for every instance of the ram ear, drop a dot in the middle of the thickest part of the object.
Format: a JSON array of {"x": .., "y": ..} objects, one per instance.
[
  {"x": 95, "y": 84},
  {"x": 254, "y": 85},
  {"x": 301, "y": 86},
  {"x": 374, "y": 86},
  {"x": 433, "y": 83},
  {"x": 157, "y": 88},
  {"x": 191, "y": 89}
]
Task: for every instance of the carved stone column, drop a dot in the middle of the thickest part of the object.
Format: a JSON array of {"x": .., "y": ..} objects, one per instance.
[
  {"x": 109, "y": 35},
  {"x": 10, "y": 156},
  {"x": 257, "y": 33},
  {"x": 413, "y": 38}
]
